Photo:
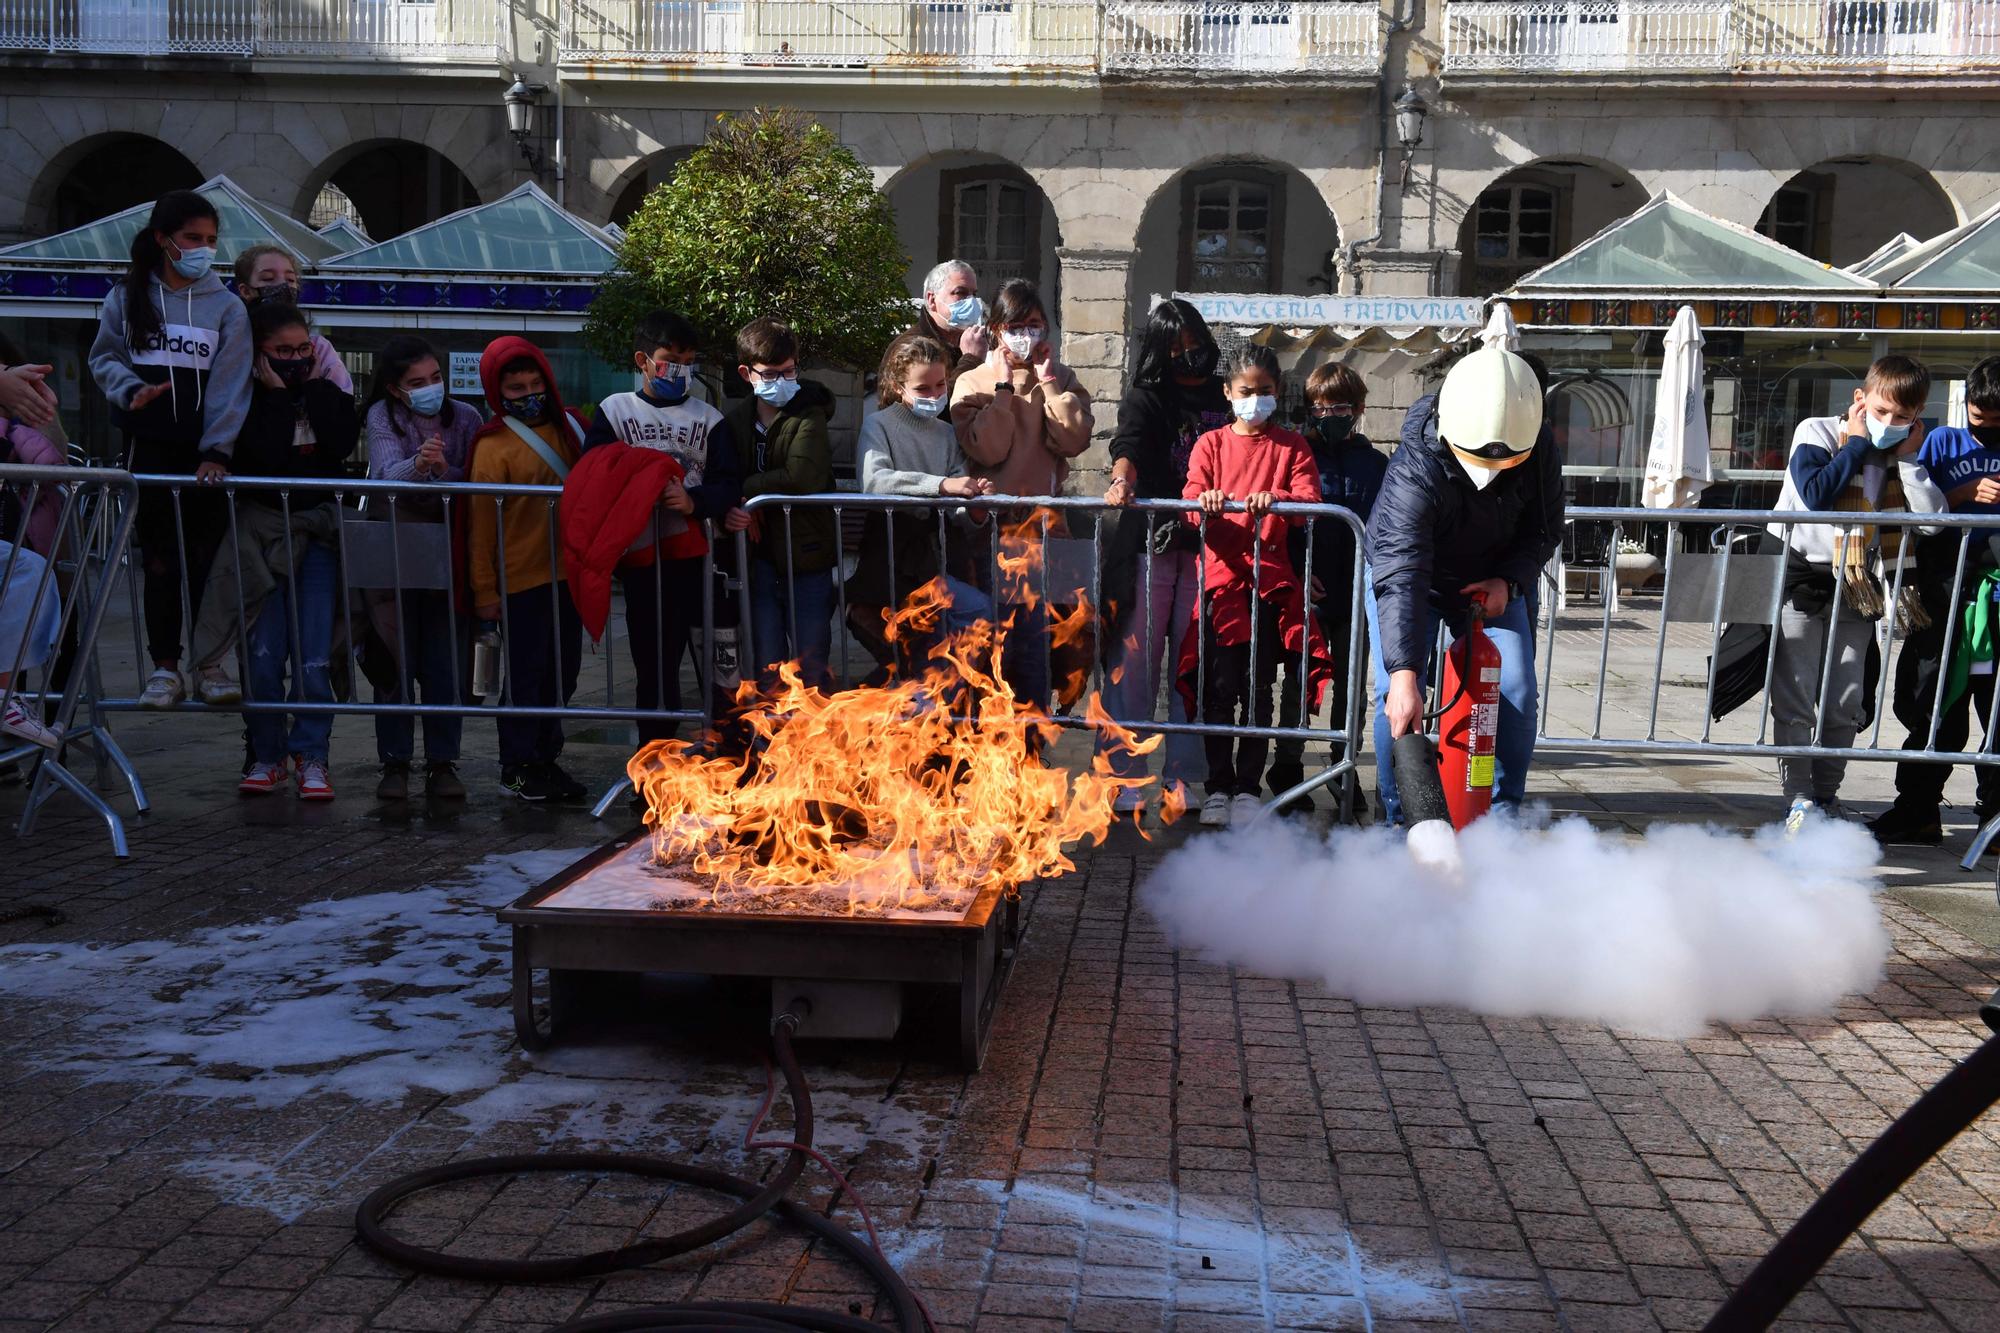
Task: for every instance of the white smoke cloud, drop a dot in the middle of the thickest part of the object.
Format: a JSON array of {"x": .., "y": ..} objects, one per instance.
[{"x": 1658, "y": 935}]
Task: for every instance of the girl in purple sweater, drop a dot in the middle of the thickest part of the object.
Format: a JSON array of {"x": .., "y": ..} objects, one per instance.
[{"x": 415, "y": 432}]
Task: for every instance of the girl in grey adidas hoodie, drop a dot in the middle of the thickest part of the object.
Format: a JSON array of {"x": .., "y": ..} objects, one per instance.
[{"x": 173, "y": 356}]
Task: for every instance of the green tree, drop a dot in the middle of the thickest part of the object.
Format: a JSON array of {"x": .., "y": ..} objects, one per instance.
[{"x": 770, "y": 216}]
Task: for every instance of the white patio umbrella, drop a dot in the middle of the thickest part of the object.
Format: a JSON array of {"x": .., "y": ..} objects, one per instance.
[
  {"x": 1677, "y": 464},
  {"x": 1500, "y": 330}
]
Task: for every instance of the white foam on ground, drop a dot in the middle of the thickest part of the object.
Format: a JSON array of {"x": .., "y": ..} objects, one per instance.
[
  {"x": 374, "y": 998},
  {"x": 1660, "y": 934}
]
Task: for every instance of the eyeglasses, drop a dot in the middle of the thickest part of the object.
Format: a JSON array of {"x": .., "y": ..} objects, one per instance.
[
  {"x": 1333, "y": 409},
  {"x": 298, "y": 352},
  {"x": 773, "y": 376},
  {"x": 664, "y": 365}
]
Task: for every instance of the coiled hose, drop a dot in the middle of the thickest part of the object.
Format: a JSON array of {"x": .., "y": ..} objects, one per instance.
[{"x": 759, "y": 1198}]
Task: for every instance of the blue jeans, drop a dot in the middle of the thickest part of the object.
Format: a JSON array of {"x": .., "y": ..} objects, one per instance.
[
  {"x": 269, "y": 650},
  {"x": 1514, "y": 748},
  {"x": 429, "y": 630},
  {"x": 1024, "y": 657},
  {"x": 1135, "y": 659},
  {"x": 775, "y": 607}
]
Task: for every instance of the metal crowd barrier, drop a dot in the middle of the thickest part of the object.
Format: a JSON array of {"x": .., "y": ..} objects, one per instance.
[
  {"x": 73, "y": 573},
  {"x": 1070, "y": 563},
  {"x": 1714, "y": 576}
]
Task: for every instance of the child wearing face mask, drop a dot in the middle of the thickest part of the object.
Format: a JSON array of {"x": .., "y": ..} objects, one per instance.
[
  {"x": 663, "y": 595},
  {"x": 172, "y": 356},
  {"x": 1964, "y": 461},
  {"x": 781, "y": 429},
  {"x": 1835, "y": 577},
  {"x": 417, "y": 433},
  {"x": 283, "y": 566},
  {"x": 1247, "y": 573},
  {"x": 531, "y": 440},
  {"x": 908, "y": 448},
  {"x": 267, "y": 274}
]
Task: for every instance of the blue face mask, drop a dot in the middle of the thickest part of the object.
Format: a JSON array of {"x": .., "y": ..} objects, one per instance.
[
  {"x": 1254, "y": 410},
  {"x": 966, "y": 312},
  {"x": 672, "y": 386},
  {"x": 927, "y": 407},
  {"x": 426, "y": 401},
  {"x": 528, "y": 407},
  {"x": 775, "y": 392},
  {"x": 1882, "y": 435},
  {"x": 194, "y": 263}
]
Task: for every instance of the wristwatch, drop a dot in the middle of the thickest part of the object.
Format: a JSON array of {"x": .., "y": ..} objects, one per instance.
[{"x": 1513, "y": 591}]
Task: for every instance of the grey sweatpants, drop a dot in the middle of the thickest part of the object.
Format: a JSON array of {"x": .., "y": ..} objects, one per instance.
[{"x": 1800, "y": 647}]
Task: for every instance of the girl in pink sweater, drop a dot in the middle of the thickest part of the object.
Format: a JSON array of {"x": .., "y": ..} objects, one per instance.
[{"x": 1246, "y": 573}]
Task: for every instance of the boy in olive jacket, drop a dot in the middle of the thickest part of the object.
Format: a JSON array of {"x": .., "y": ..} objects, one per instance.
[{"x": 782, "y": 438}]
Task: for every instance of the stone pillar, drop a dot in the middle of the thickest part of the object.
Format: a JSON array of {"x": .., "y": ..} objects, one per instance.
[{"x": 1094, "y": 287}]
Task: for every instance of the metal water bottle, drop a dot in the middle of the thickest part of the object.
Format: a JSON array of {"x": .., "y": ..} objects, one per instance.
[{"x": 486, "y": 654}]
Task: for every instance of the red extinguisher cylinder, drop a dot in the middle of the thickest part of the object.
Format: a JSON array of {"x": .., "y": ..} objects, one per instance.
[{"x": 1470, "y": 727}]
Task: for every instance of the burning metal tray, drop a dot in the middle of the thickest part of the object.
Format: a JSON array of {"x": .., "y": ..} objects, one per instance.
[{"x": 969, "y": 955}]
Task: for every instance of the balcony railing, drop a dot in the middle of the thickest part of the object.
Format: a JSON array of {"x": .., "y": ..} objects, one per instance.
[
  {"x": 1078, "y": 36},
  {"x": 401, "y": 30},
  {"x": 1722, "y": 36}
]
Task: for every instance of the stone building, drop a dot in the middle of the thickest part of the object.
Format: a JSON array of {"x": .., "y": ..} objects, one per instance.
[{"x": 1111, "y": 149}]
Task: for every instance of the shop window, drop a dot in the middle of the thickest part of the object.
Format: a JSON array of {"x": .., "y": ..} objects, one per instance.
[
  {"x": 992, "y": 220},
  {"x": 1516, "y": 229},
  {"x": 1796, "y": 218}
]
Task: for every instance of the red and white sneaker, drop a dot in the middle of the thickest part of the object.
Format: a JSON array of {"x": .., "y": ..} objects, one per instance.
[
  {"x": 314, "y": 782},
  {"x": 262, "y": 780},
  {"x": 17, "y": 721}
]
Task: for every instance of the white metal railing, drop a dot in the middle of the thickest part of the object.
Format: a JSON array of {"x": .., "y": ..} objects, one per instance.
[
  {"x": 418, "y": 30},
  {"x": 1722, "y": 36},
  {"x": 1087, "y": 36},
  {"x": 1270, "y": 36}
]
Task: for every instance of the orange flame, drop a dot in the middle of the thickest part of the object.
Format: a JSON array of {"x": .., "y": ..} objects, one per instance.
[{"x": 909, "y": 797}]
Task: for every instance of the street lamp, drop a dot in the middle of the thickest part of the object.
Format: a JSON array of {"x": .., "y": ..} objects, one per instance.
[
  {"x": 520, "y": 100},
  {"x": 1410, "y": 112}
]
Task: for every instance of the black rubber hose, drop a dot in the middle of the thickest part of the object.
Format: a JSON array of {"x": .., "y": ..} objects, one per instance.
[
  {"x": 1958, "y": 1099},
  {"x": 759, "y": 1198}
]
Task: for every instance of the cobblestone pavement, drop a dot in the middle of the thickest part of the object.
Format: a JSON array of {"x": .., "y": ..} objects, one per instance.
[{"x": 272, "y": 1008}]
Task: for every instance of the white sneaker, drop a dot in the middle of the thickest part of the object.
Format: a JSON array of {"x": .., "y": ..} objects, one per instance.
[
  {"x": 216, "y": 688},
  {"x": 1244, "y": 810},
  {"x": 1129, "y": 801},
  {"x": 1795, "y": 818},
  {"x": 163, "y": 689},
  {"x": 17, "y": 721},
  {"x": 1215, "y": 810},
  {"x": 314, "y": 782}
]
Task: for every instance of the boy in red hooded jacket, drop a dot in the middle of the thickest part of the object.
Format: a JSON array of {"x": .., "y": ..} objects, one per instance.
[{"x": 516, "y": 578}]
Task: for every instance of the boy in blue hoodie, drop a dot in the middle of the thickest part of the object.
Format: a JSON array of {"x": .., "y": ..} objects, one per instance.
[{"x": 1964, "y": 461}]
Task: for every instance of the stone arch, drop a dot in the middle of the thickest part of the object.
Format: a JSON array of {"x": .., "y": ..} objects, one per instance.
[
  {"x": 1834, "y": 210},
  {"x": 629, "y": 189},
  {"x": 395, "y": 184},
  {"x": 978, "y": 206},
  {"x": 101, "y": 175},
  {"x": 1178, "y": 245},
  {"x": 1533, "y": 213}
]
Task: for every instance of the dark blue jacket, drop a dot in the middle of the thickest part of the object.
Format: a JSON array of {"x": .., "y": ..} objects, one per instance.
[
  {"x": 1350, "y": 475},
  {"x": 1433, "y": 532}
]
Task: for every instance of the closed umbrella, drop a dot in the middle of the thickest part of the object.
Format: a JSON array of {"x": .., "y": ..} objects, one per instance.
[
  {"x": 1500, "y": 330},
  {"x": 1677, "y": 466}
]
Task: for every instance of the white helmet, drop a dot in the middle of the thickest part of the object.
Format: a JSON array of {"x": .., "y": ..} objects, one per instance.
[{"x": 1489, "y": 413}]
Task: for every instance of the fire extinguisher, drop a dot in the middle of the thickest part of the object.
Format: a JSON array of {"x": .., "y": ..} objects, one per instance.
[{"x": 1469, "y": 725}]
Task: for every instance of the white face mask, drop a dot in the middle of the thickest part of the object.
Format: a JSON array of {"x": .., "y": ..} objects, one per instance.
[
  {"x": 1254, "y": 410},
  {"x": 1021, "y": 343},
  {"x": 1482, "y": 477}
]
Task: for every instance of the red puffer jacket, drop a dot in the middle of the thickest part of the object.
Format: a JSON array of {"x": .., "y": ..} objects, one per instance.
[{"x": 606, "y": 515}]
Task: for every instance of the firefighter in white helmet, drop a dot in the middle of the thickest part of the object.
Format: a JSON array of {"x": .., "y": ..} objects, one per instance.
[{"x": 1470, "y": 511}]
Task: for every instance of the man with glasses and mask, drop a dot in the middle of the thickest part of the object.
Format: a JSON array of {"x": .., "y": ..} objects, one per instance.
[
  {"x": 1471, "y": 508},
  {"x": 1350, "y": 475},
  {"x": 954, "y": 318}
]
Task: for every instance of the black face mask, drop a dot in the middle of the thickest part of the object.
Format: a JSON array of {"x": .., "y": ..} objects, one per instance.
[
  {"x": 292, "y": 372},
  {"x": 283, "y": 293},
  {"x": 1196, "y": 363},
  {"x": 1333, "y": 430},
  {"x": 1988, "y": 436}
]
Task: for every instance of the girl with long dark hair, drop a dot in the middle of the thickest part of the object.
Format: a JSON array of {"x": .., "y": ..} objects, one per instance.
[
  {"x": 1173, "y": 400},
  {"x": 417, "y": 432},
  {"x": 172, "y": 355}
]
